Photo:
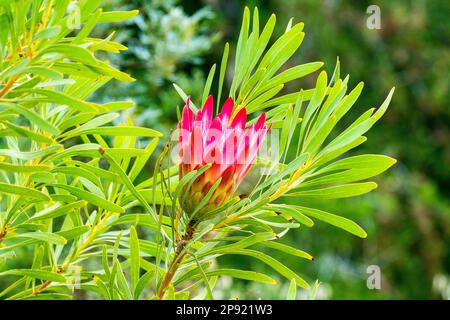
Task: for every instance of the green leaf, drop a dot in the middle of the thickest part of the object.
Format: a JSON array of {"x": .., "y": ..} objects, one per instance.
[
  {"x": 287, "y": 249},
  {"x": 223, "y": 68},
  {"x": 208, "y": 83},
  {"x": 313, "y": 145},
  {"x": 8, "y": 167},
  {"x": 328, "y": 155},
  {"x": 57, "y": 210},
  {"x": 64, "y": 99},
  {"x": 293, "y": 212},
  {"x": 184, "y": 96},
  {"x": 379, "y": 113},
  {"x": 335, "y": 192},
  {"x": 48, "y": 296},
  {"x": 91, "y": 198},
  {"x": 117, "y": 16},
  {"x": 30, "y": 155},
  {"x": 117, "y": 105},
  {"x": 25, "y": 132},
  {"x": 69, "y": 51},
  {"x": 33, "y": 117},
  {"x": 142, "y": 283},
  {"x": 134, "y": 257},
  {"x": 124, "y": 290},
  {"x": 239, "y": 274},
  {"x": 188, "y": 180},
  {"x": 48, "y": 33},
  {"x": 319, "y": 94},
  {"x": 119, "y": 131},
  {"x": 23, "y": 191},
  {"x": 87, "y": 150},
  {"x": 240, "y": 49},
  {"x": 38, "y": 274},
  {"x": 290, "y": 74},
  {"x": 351, "y": 169},
  {"x": 288, "y": 170},
  {"x": 258, "y": 102},
  {"x": 276, "y": 265},
  {"x": 292, "y": 291},
  {"x": 74, "y": 232},
  {"x": 337, "y": 221},
  {"x": 106, "y": 70},
  {"x": 348, "y": 101},
  {"x": 205, "y": 199},
  {"x": 43, "y": 236},
  {"x": 126, "y": 180},
  {"x": 366, "y": 161},
  {"x": 244, "y": 243},
  {"x": 77, "y": 172}
]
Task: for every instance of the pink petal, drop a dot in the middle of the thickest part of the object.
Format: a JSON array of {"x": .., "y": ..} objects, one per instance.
[
  {"x": 196, "y": 146},
  {"x": 230, "y": 148},
  {"x": 208, "y": 110},
  {"x": 187, "y": 116},
  {"x": 199, "y": 115},
  {"x": 240, "y": 119},
  {"x": 215, "y": 131},
  {"x": 227, "y": 109},
  {"x": 260, "y": 122}
]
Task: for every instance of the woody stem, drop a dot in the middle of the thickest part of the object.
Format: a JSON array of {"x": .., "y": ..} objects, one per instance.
[
  {"x": 176, "y": 261},
  {"x": 2, "y": 234},
  {"x": 8, "y": 86}
]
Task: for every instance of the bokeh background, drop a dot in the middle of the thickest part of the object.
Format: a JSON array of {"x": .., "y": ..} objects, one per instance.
[{"x": 408, "y": 217}]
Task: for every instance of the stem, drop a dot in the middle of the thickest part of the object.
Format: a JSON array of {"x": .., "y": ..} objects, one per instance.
[
  {"x": 180, "y": 253},
  {"x": 2, "y": 234},
  {"x": 281, "y": 190},
  {"x": 8, "y": 86}
]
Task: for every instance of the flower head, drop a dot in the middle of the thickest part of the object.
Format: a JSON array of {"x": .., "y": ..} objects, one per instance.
[{"x": 223, "y": 142}]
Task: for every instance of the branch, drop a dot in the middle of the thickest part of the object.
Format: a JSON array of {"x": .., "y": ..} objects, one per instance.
[
  {"x": 180, "y": 253},
  {"x": 8, "y": 86}
]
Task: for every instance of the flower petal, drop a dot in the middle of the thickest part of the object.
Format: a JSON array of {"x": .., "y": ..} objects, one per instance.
[
  {"x": 187, "y": 116},
  {"x": 240, "y": 119},
  {"x": 208, "y": 111},
  {"x": 227, "y": 109},
  {"x": 260, "y": 122}
]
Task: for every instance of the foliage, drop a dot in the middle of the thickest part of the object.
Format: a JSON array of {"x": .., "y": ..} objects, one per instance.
[
  {"x": 407, "y": 218},
  {"x": 69, "y": 187},
  {"x": 165, "y": 45}
]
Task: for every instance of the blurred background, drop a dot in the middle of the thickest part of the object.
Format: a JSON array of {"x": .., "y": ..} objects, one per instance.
[{"x": 408, "y": 216}]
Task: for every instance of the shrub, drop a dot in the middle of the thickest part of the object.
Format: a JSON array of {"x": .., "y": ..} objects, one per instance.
[{"x": 69, "y": 187}]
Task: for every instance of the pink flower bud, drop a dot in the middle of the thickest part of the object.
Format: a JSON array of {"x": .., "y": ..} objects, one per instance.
[{"x": 225, "y": 143}]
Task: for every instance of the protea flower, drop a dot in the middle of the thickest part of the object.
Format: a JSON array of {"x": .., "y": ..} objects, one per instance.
[{"x": 223, "y": 142}]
